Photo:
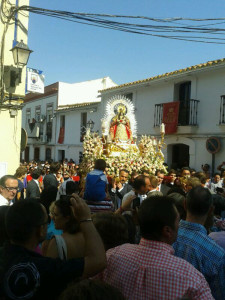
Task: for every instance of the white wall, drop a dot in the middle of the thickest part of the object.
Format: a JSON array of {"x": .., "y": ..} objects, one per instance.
[
  {"x": 83, "y": 92},
  {"x": 207, "y": 86}
]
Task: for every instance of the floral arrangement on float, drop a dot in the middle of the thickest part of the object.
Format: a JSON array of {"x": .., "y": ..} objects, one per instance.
[{"x": 118, "y": 142}]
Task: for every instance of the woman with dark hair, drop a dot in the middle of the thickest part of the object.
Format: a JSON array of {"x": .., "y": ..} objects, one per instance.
[{"x": 71, "y": 243}]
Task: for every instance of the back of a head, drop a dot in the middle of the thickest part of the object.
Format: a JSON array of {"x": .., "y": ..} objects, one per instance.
[
  {"x": 219, "y": 204},
  {"x": 55, "y": 167},
  {"x": 23, "y": 218},
  {"x": 201, "y": 176},
  {"x": 113, "y": 229},
  {"x": 155, "y": 213},
  {"x": 36, "y": 173},
  {"x": 198, "y": 201},
  {"x": 100, "y": 164},
  {"x": 21, "y": 171},
  {"x": 139, "y": 181},
  {"x": 193, "y": 182},
  {"x": 48, "y": 195},
  {"x": 153, "y": 181},
  {"x": 179, "y": 200},
  {"x": 72, "y": 187},
  {"x": 91, "y": 290}
]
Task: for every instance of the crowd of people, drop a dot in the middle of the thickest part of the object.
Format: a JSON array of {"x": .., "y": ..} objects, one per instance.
[{"x": 135, "y": 236}]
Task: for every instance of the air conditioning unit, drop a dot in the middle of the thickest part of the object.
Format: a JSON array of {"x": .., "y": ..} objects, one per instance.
[{"x": 33, "y": 129}]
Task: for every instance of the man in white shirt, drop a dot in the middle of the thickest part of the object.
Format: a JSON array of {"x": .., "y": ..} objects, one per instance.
[
  {"x": 8, "y": 189},
  {"x": 139, "y": 192}
]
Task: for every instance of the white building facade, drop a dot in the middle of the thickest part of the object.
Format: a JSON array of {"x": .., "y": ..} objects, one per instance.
[
  {"x": 200, "y": 90},
  {"x": 56, "y": 120}
]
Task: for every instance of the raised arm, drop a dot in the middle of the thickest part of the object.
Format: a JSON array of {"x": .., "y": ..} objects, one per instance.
[{"x": 95, "y": 258}]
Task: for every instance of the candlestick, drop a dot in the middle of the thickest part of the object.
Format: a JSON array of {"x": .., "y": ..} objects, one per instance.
[{"x": 162, "y": 128}]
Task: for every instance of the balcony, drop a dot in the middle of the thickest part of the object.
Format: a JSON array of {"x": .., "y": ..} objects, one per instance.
[{"x": 187, "y": 119}]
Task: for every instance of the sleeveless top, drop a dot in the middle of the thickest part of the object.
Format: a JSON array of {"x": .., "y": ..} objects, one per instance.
[{"x": 61, "y": 247}]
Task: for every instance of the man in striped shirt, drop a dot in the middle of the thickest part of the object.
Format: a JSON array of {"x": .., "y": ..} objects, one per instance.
[
  {"x": 150, "y": 270},
  {"x": 194, "y": 245}
]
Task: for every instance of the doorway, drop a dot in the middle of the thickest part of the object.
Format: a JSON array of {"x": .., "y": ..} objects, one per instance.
[
  {"x": 36, "y": 154},
  {"x": 180, "y": 156},
  {"x": 27, "y": 154},
  {"x": 61, "y": 155}
]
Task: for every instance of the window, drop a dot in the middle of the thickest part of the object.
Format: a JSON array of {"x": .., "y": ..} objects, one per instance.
[
  {"x": 48, "y": 153},
  {"x": 61, "y": 130},
  {"x": 28, "y": 115},
  {"x": 49, "y": 118},
  {"x": 62, "y": 121},
  {"x": 182, "y": 93},
  {"x": 49, "y": 112},
  {"x": 38, "y": 113},
  {"x": 36, "y": 154},
  {"x": 83, "y": 125}
]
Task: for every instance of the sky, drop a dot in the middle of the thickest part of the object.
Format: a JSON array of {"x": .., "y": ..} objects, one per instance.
[{"x": 71, "y": 52}]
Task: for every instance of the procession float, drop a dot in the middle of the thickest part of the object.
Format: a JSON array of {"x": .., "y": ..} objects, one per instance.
[{"x": 118, "y": 144}]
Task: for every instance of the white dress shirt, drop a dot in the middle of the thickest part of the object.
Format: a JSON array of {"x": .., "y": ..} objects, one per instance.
[{"x": 4, "y": 201}]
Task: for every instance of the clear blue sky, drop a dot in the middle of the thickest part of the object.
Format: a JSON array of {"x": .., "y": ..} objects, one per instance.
[{"x": 72, "y": 52}]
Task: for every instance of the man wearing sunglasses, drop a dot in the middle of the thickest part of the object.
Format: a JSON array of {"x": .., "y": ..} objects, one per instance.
[{"x": 8, "y": 189}]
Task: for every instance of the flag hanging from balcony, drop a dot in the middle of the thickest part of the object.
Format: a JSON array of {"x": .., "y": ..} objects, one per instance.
[
  {"x": 61, "y": 135},
  {"x": 170, "y": 116}
]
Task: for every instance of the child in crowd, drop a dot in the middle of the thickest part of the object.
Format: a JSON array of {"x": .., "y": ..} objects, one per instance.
[{"x": 96, "y": 182}]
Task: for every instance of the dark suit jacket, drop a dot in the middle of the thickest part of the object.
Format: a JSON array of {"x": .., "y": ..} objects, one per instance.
[
  {"x": 164, "y": 189},
  {"x": 118, "y": 196},
  {"x": 32, "y": 190},
  {"x": 50, "y": 180}
]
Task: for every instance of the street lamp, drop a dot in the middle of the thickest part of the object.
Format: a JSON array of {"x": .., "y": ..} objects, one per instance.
[
  {"x": 90, "y": 124},
  {"x": 21, "y": 53}
]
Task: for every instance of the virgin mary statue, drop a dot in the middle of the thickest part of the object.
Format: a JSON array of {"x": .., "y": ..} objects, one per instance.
[{"x": 120, "y": 126}]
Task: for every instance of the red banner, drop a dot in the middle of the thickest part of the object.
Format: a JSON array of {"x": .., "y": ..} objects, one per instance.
[
  {"x": 61, "y": 135},
  {"x": 170, "y": 116}
]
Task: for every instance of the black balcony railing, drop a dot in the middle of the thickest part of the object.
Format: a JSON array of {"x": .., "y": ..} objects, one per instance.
[
  {"x": 188, "y": 113},
  {"x": 222, "y": 110}
]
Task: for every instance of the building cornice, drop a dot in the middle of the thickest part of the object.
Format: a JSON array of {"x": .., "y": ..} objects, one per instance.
[{"x": 174, "y": 74}]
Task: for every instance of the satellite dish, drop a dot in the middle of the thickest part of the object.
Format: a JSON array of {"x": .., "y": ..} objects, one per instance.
[{"x": 23, "y": 143}]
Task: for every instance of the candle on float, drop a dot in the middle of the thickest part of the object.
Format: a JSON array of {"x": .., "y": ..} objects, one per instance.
[
  {"x": 154, "y": 142},
  {"x": 162, "y": 128}
]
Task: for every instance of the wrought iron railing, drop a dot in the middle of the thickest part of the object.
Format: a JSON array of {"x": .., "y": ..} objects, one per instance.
[
  {"x": 222, "y": 110},
  {"x": 188, "y": 113}
]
